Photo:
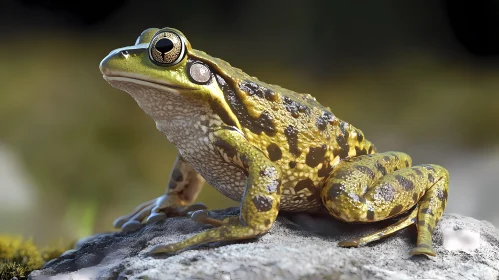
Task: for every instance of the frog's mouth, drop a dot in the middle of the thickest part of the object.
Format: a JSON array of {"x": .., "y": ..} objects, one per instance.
[{"x": 120, "y": 81}]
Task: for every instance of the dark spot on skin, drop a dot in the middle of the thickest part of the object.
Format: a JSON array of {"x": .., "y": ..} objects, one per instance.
[
  {"x": 291, "y": 134},
  {"x": 292, "y": 164},
  {"x": 344, "y": 147},
  {"x": 295, "y": 107},
  {"x": 263, "y": 123},
  {"x": 386, "y": 192},
  {"x": 342, "y": 174},
  {"x": 325, "y": 169},
  {"x": 315, "y": 196},
  {"x": 386, "y": 159},
  {"x": 270, "y": 95},
  {"x": 305, "y": 184},
  {"x": 380, "y": 168},
  {"x": 365, "y": 170},
  {"x": 245, "y": 162},
  {"x": 343, "y": 128},
  {"x": 360, "y": 152},
  {"x": 429, "y": 167},
  {"x": 396, "y": 210},
  {"x": 371, "y": 149},
  {"x": 227, "y": 148},
  {"x": 440, "y": 195},
  {"x": 252, "y": 88},
  {"x": 177, "y": 175},
  {"x": 404, "y": 182},
  {"x": 430, "y": 178},
  {"x": 446, "y": 194},
  {"x": 395, "y": 156},
  {"x": 427, "y": 211},
  {"x": 415, "y": 197},
  {"x": 370, "y": 215},
  {"x": 430, "y": 228},
  {"x": 422, "y": 223},
  {"x": 323, "y": 120},
  {"x": 263, "y": 203},
  {"x": 335, "y": 191},
  {"x": 267, "y": 222},
  {"x": 315, "y": 155},
  {"x": 360, "y": 136},
  {"x": 273, "y": 186},
  {"x": 274, "y": 151},
  {"x": 406, "y": 164},
  {"x": 419, "y": 172},
  {"x": 172, "y": 185}
]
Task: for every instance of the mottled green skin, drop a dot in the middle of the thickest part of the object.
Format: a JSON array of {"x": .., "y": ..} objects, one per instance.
[{"x": 268, "y": 147}]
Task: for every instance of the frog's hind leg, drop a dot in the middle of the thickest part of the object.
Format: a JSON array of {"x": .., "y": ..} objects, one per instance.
[{"x": 376, "y": 187}]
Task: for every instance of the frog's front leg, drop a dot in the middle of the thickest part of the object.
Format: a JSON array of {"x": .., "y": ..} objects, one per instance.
[
  {"x": 376, "y": 187},
  {"x": 183, "y": 188},
  {"x": 260, "y": 203}
]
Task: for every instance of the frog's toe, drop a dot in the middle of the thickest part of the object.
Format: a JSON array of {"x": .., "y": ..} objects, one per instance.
[
  {"x": 349, "y": 243},
  {"x": 423, "y": 250},
  {"x": 119, "y": 222},
  {"x": 131, "y": 226},
  {"x": 193, "y": 208},
  {"x": 155, "y": 216},
  {"x": 162, "y": 248}
]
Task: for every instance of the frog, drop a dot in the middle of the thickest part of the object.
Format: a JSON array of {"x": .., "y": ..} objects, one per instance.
[{"x": 269, "y": 148}]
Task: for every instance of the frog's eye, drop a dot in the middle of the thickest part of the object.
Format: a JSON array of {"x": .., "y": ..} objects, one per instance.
[
  {"x": 199, "y": 72},
  {"x": 166, "y": 48}
]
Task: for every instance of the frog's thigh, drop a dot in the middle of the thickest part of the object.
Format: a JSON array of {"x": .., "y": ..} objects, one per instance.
[
  {"x": 260, "y": 203},
  {"x": 376, "y": 187}
]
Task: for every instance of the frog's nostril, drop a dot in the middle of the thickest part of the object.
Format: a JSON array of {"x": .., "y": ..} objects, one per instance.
[{"x": 124, "y": 53}]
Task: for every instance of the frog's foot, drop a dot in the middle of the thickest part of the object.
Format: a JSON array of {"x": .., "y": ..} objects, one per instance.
[
  {"x": 226, "y": 232},
  {"x": 155, "y": 210}
]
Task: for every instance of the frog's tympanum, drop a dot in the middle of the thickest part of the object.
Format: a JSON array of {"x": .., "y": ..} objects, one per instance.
[{"x": 266, "y": 146}]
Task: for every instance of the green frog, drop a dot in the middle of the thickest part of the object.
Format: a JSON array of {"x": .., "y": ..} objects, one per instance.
[{"x": 265, "y": 146}]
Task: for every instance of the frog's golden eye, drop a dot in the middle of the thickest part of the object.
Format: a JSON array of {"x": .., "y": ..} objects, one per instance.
[{"x": 167, "y": 48}]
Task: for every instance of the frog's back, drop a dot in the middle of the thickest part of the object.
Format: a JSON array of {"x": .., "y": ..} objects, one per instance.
[{"x": 292, "y": 129}]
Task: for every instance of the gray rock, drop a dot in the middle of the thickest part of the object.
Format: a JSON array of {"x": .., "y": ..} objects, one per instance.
[{"x": 299, "y": 246}]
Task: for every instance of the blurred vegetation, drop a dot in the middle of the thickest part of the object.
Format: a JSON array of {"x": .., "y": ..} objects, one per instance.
[
  {"x": 396, "y": 71},
  {"x": 19, "y": 257}
]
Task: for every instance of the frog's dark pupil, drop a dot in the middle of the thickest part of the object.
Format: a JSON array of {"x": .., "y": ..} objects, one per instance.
[{"x": 164, "y": 45}]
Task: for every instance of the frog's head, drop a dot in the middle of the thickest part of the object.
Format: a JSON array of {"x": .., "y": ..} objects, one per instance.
[{"x": 167, "y": 77}]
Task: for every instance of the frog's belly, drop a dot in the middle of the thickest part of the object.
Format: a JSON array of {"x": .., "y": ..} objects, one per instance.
[
  {"x": 228, "y": 179},
  {"x": 231, "y": 181}
]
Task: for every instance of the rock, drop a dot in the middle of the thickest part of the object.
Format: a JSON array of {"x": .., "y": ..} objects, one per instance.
[{"x": 299, "y": 246}]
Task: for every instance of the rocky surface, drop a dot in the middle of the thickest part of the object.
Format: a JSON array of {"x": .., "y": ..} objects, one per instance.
[{"x": 299, "y": 246}]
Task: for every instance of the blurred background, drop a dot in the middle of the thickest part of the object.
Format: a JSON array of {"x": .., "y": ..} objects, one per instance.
[{"x": 416, "y": 76}]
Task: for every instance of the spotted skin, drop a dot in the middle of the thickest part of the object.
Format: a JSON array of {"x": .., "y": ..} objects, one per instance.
[
  {"x": 266, "y": 146},
  {"x": 381, "y": 186}
]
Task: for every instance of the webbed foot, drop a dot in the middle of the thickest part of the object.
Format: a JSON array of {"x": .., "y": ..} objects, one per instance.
[{"x": 155, "y": 210}]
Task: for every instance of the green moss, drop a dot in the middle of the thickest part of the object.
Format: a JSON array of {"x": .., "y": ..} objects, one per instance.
[{"x": 18, "y": 257}]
